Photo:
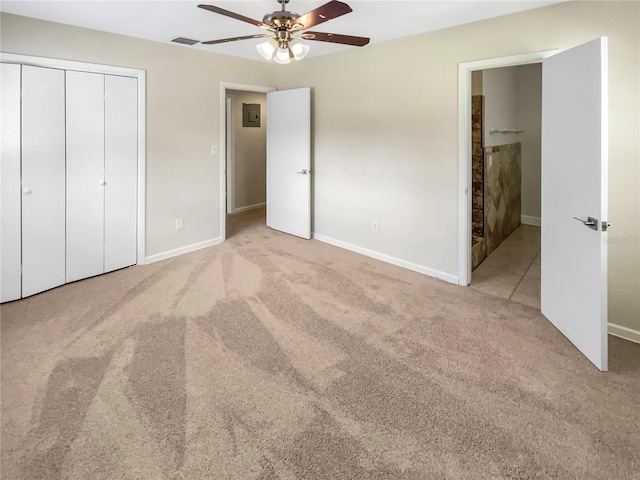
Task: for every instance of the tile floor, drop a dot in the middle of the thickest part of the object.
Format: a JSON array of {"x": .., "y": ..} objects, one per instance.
[{"x": 512, "y": 271}]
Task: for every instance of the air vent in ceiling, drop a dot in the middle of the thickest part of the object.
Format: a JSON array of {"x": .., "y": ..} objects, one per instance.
[{"x": 186, "y": 41}]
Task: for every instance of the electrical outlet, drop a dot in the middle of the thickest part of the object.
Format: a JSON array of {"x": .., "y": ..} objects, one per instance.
[
  {"x": 179, "y": 223},
  {"x": 374, "y": 226}
]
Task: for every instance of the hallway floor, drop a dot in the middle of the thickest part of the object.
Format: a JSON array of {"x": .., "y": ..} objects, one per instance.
[
  {"x": 237, "y": 222},
  {"x": 512, "y": 271}
]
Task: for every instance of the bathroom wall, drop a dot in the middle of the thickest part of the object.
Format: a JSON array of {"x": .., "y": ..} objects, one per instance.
[
  {"x": 476, "y": 82},
  {"x": 513, "y": 100},
  {"x": 529, "y": 118},
  {"x": 499, "y": 87}
]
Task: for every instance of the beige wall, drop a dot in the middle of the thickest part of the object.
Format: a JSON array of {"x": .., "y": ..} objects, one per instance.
[
  {"x": 385, "y": 139},
  {"x": 249, "y": 151},
  {"x": 183, "y": 117},
  {"x": 386, "y": 135}
]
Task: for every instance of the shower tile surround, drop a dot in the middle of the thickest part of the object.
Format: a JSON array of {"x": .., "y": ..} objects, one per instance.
[{"x": 502, "y": 193}]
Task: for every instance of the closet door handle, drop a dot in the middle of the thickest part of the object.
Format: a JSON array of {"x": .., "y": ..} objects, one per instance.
[
  {"x": 27, "y": 191},
  {"x": 102, "y": 182}
]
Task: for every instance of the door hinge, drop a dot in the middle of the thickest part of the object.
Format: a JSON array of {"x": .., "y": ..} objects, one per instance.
[{"x": 605, "y": 226}]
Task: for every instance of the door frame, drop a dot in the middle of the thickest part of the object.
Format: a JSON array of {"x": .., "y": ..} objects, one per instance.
[
  {"x": 464, "y": 147},
  {"x": 140, "y": 75},
  {"x": 224, "y": 86},
  {"x": 229, "y": 155}
]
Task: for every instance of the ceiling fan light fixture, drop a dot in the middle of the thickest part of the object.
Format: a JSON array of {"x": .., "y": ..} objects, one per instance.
[
  {"x": 282, "y": 56},
  {"x": 282, "y": 25},
  {"x": 268, "y": 49},
  {"x": 298, "y": 49}
]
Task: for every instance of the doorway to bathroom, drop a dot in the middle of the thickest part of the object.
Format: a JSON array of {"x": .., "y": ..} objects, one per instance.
[
  {"x": 574, "y": 172},
  {"x": 505, "y": 225}
]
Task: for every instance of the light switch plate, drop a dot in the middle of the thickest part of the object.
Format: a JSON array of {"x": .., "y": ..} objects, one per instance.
[
  {"x": 214, "y": 149},
  {"x": 179, "y": 223}
]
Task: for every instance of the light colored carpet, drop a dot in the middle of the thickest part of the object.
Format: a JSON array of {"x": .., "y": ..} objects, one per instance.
[{"x": 270, "y": 357}]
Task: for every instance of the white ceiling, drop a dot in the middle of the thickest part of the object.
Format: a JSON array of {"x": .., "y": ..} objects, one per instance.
[{"x": 163, "y": 20}]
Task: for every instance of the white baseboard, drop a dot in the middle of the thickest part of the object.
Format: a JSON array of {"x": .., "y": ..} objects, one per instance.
[
  {"x": 533, "y": 221},
  {"x": 388, "y": 259},
  {"x": 248, "y": 207},
  {"x": 624, "y": 332},
  {"x": 182, "y": 250}
]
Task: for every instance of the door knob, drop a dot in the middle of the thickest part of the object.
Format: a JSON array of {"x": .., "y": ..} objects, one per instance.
[
  {"x": 27, "y": 191},
  {"x": 590, "y": 222},
  {"x": 304, "y": 171},
  {"x": 102, "y": 182}
]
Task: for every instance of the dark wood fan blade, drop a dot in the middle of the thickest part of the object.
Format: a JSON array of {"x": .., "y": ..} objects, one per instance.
[
  {"x": 328, "y": 11},
  {"x": 336, "y": 38},
  {"x": 237, "y": 16},
  {"x": 246, "y": 37}
]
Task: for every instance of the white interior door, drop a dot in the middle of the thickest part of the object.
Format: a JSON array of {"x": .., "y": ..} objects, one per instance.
[
  {"x": 43, "y": 179},
  {"x": 85, "y": 175},
  {"x": 289, "y": 161},
  {"x": 121, "y": 172},
  {"x": 574, "y": 184},
  {"x": 10, "y": 242}
]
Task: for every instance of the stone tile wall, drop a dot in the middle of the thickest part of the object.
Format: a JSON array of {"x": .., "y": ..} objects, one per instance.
[
  {"x": 502, "y": 193},
  {"x": 478, "y": 246},
  {"x": 477, "y": 166}
]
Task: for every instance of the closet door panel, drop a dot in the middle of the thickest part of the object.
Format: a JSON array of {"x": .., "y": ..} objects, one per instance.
[
  {"x": 85, "y": 175},
  {"x": 10, "y": 235},
  {"x": 43, "y": 179},
  {"x": 121, "y": 171}
]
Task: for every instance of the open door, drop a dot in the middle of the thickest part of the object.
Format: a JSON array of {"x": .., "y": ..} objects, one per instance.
[
  {"x": 289, "y": 161},
  {"x": 574, "y": 196}
]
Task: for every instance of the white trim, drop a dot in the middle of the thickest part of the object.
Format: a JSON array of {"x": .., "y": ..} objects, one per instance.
[
  {"x": 223, "y": 144},
  {"x": 624, "y": 332},
  {"x": 230, "y": 155},
  {"x": 140, "y": 75},
  {"x": 464, "y": 147},
  {"x": 61, "y": 64},
  {"x": 249, "y": 207},
  {"x": 388, "y": 259},
  {"x": 182, "y": 250},
  {"x": 529, "y": 220},
  {"x": 142, "y": 167}
]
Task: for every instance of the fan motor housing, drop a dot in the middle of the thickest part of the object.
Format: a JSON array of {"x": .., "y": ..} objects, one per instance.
[{"x": 281, "y": 18}]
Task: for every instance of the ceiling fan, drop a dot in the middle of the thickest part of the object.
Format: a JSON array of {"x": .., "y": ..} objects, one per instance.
[{"x": 287, "y": 28}]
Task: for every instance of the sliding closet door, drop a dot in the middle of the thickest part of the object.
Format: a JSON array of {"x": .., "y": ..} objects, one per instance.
[
  {"x": 10, "y": 187},
  {"x": 85, "y": 175},
  {"x": 43, "y": 179},
  {"x": 121, "y": 171}
]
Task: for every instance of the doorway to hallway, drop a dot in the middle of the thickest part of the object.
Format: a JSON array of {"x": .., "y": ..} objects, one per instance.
[{"x": 243, "y": 153}]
